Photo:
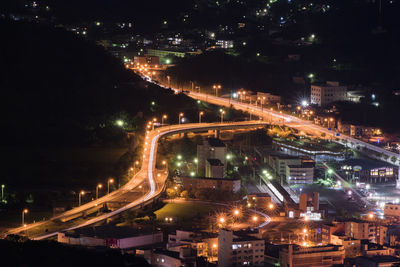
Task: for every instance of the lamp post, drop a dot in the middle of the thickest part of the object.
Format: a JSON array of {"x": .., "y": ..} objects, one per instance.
[
  {"x": 80, "y": 197},
  {"x": 179, "y": 117},
  {"x": 99, "y": 186},
  {"x": 110, "y": 181},
  {"x": 222, "y": 115},
  {"x": 2, "y": 192},
  {"x": 164, "y": 117},
  {"x": 23, "y": 216},
  {"x": 201, "y": 113},
  {"x": 216, "y": 88}
]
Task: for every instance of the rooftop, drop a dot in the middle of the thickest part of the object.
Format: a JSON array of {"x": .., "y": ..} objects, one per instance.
[
  {"x": 380, "y": 259},
  {"x": 215, "y": 162},
  {"x": 215, "y": 142}
]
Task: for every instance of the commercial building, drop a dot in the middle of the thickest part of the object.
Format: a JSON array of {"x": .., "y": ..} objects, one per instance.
[
  {"x": 215, "y": 168},
  {"x": 392, "y": 210},
  {"x": 200, "y": 183},
  {"x": 267, "y": 98},
  {"x": 234, "y": 250},
  {"x": 328, "y": 230},
  {"x": 278, "y": 162},
  {"x": 259, "y": 200},
  {"x": 224, "y": 44},
  {"x": 370, "y": 171},
  {"x": 166, "y": 55},
  {"x": 373, "y": 232},
  {"x": 212, "y": 148},
  {"x": 324, "y": 94},
  {"x": 203, "y": 245},
  {"x": 167, "y": 258},
  {"x": 109, "y": 236},
  {"x": 151, "y": 61},
  {"x": 297, "y": 256},
  {"x": 300, "y": 174}
]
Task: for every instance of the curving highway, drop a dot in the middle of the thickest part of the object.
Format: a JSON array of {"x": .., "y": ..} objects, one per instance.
[{"x": 151, "y": 179}]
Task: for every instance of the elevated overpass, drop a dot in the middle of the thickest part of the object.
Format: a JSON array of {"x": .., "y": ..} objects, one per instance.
[{"x": 151, "y": 179}]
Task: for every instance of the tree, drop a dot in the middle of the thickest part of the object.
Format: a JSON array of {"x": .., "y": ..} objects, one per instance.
[
  {"x": 185, "y": 194},
  {"x": 171, "y": 193}
]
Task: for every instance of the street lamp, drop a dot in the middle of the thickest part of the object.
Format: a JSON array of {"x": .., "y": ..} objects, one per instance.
[
  {"x": 271, "y": 206},
  {"x": 222, "y": 115},
  {"x": 216, "y": 88},
  {"x": 164, "y": 163},
  {"x": 179, "y": 117},
  {"x": 201, "y": 113},
  {"x": 80, "y": 196},
  {"x": 23, "y": 216},
  {"x": 221, "y": 219},
  {"x": 163, "y": 118},
  {"x": 2, "y": 192},
  {"x": 110, "y": 181},
  {"x": 97, "y": 190},
  {"x": 255, "y": 218}
]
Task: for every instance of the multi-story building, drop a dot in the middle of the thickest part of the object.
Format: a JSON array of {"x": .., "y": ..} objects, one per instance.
[
  {"x": 327, "y": 230},
  {"x": 200, "y": 183},
  {"x": 267, "y": 98},
  {"x": 215, "y": 168},
  {"x": 392, "y": 210},
  {"x": 204, "y": 246},
  {"x": 108, "y": 236},
  {"x": 278, "y": 162},
  {"x": 236, "y": 250},
  {"x": 151, "y": 61},
  {"x": 212, "y": 148},
  {"x": 224, "y": 44},
  {"x": 297, "y": 256},
  {"x": 259, "y": 200},
  {"x": 373, "y": 232},
  {"x": 300, "y": 174},
  {"x": 324, "y": 94}
]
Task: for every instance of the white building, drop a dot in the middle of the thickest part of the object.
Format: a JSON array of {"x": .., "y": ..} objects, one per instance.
[
  {"x": 323, "y": 94},
  {"x": 108, "y": 236},
  {"x": 300, "y": 174},
  {"x": 238, "y": 251},
  {"x": 225, "y": 44}
]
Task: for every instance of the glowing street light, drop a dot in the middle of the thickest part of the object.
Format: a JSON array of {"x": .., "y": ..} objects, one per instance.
[
  {"x": 222, "y": 115},
  {"x": 201, "y": 113},
  {"x": 255, "y": 218},
  {"x": 109, "y": 181},
  {"x": 216, "y": 88},
  {"x": 236, "y": 212},
  {"x": 99, "y": 186},
  {"x": 371, "y": 215},
  {"x": 179, "y": 117},
  {"x": 2, "y": 192},
  {"x": 221, "y": 219},
  {"x": 271, "y": 206},
  {"x": 120, "y": 123},
  {"x": 23, "y": 216},
  {"x": 164, "y": 117},
  {"x": 80, "y": 196}
]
